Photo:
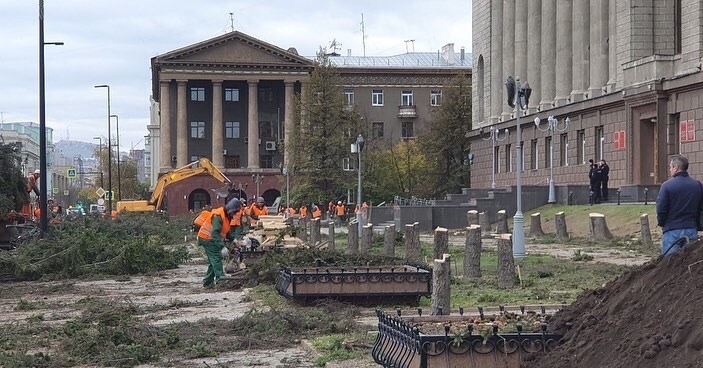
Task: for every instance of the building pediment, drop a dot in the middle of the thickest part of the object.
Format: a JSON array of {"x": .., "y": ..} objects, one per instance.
[{"x": 233, "y": 49}]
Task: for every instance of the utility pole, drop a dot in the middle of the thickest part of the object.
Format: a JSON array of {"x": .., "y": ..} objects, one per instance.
[
  {"x": 363, "y": 34},
  {"x": 231, "y": 21}
]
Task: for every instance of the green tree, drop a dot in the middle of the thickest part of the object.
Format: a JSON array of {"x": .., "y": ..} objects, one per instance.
[
  {"x": 326, "y": 130},
  {"x": 131, "y": 188},
  {"x": 396, "y": 170},
  {"x": 445, "y": 143},
  {"x": 12, "y": 183}
]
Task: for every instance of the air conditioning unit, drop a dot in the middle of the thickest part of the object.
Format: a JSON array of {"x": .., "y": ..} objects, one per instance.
[
  {"x": 271, "y": 145},
  {"x": 224, "y": 152}
]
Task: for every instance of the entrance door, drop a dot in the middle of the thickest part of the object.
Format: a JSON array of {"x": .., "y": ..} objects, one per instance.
[{"x": 649, "y": 150}]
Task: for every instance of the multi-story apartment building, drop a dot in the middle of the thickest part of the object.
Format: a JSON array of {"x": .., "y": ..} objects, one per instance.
[
  {"x": 626, "y": 73},
  {"x": 231, "y": 99}
]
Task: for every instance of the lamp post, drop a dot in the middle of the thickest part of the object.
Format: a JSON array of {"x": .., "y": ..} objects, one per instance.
[
  {"x": 287, "y": 173},
  {"x": 43, "y": 188},
  {"x": 119, "y": 180},
  {"x": 552, "y": 125},
  {"x": 494, "y": 136},
  {"x": 257, "y": 178},
  {"x": 518, "y": 97},
  {"x": 358, "y": 146},
  {"x": 100, "y": 151},
  {"x": 109, "y": 151}
]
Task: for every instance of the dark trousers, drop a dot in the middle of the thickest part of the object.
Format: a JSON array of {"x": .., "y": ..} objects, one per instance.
[
  {"x": 604, "y": 189},
  {"x": 595, "y": 189}
]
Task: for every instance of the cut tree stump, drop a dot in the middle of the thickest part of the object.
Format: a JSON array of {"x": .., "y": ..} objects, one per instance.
[
  {"x": 366, "y": 239},
  {"x": 353, "y": 238},
  {"x": 472, "y": 253},
  {"x": 599, "y": 227},
  {"x": 331, "y": 244},
  {"x": 560, "y": 224},
  {"x": 536, "y": 225},
  {"x": 485, "y": 223},
  {"x": 646, "y": 232},
  {"x": 441, "y": 242},
  {"x": 441, "y": 290},
  {"x": 472, "y": 217},
  {"x": 413, "y": 253},
  {"x": 506, "y": 262},
  {"x": 502, "y": 223},
  {"x": 389, "y": 241},
  {"x": 315, "y": 232}
]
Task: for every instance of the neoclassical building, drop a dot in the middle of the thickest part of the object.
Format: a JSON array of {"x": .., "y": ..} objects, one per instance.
[
  {"x": 626, "y": 73},
  {"x": 231, "y": 99}
]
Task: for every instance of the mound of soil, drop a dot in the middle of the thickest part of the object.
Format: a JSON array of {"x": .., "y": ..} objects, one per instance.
[{"x": 650, "y": 317}]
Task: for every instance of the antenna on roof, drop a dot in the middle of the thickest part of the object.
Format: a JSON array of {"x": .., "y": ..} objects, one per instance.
[
  {"x": 406, "y": 45},
  {"x": 231, "y": 20},
  {"x": 363, "y": 34},
  {"x": 334, "y": 45}
]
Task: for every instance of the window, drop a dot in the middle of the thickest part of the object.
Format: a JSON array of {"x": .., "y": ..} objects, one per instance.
[
  {"x": 600, "y": 141},
  {"x": 231, "y": 94},
  {"x": 147, "y": 141},
  {"x": 231, "y": 129},
  {"x": 564, "y": 149},
  {"x": 197, "y": 94},
  {"x": 232, "y": 162},
  {"x": 619, "y": 140},
  {"x": 687, "y": 131},
  {"x": 377, "y": 130},
  {"x": 522, "y": 156},
  {"x": 266, "y": 161},
  {"x": 547, "y": 152},
  {"x": 581, "y": 147},
  {"x": 266, "y": 129},
  {"x": 406, "y": 98},
  {"x": 349, "y": 95},
  {"x": 496, "y": 159},
  {"x": 435, "y": 98},
  {"x": 508, "y": 161},
  {"x": 197, "y": 129},
  {"x": 194, "y": 158},
  {"x": 265, "y": 94},
  {"x": 534, "y": 158},
  {"x": 673, "y": 141},
  {"x": 407, "y": 130},
  {"x": 348, "y": 164},
  {"x": 377, "y": 97}
]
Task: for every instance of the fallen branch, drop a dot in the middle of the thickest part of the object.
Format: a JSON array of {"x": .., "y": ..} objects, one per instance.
[{"x": 693, "y": 264}]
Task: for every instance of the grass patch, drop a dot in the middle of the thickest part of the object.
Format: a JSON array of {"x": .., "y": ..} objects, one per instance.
[{"x": 338, "y": 347}]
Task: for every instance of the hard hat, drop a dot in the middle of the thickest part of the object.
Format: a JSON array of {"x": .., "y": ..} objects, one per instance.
[
  {"x": 37, "y": 171},
  {"x": 339, "y": 202},
  {"x": 233, "y": 205},
  {"x": 260, "y": 200}
]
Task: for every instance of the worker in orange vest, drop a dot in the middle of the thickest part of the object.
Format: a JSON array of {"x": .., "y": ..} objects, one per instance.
[
  {"x": 214, "y": 230},
  {"x": 235, "y": 224},
  {"x": 257, "y": 210},
  {"x": 341, "y": 211},
  {"x": 316, "y": 212}
]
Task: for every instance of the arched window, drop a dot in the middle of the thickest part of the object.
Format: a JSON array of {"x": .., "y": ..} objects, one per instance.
[{"x": 198, "y": 199}]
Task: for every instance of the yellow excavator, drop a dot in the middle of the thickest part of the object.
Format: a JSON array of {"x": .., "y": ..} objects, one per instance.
[{"x": 201, "y": 166}]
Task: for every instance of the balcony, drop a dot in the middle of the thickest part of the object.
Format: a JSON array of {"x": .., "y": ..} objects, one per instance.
[{"x": 407, "y": 111}]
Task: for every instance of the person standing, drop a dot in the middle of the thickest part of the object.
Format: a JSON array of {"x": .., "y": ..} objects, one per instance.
[
  {"x": 605, "y": 171},
  {"x": 214, "y": 229},
  {"x": 679, "y": 203},
  {"x": 594, "y": 174}
]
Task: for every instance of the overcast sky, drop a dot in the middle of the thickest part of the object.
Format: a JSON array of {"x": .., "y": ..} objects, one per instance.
[{"x": 112, "y": 42}]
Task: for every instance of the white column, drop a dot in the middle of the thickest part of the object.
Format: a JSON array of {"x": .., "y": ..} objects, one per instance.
[
  {"x": 217, "y": 125},
  {"x": 253, "y": 126},
  {"x": 288, "y": 124},
  {"x": 549, "y": 54},
  {"x": 165, "y": 126},
  {"x": 534, "y": 52},
  {"x": 521, "y": 40},
  {"x": 599, "y": 47},
  {"x": 580, "y": 48},
  {"x": 508, "y": 49},
  {"x": 612, "y": 45},
  {"x": 496, "y": 65},
  {"x": 564, "y": 53},
  {"x": 182, "y": 125}
]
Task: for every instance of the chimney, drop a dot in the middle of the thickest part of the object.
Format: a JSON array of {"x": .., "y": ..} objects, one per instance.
[
  {"x": 463, "y": 55},
  {"x": 348, "y": 52},
  {"x": 448, "y": 53}
]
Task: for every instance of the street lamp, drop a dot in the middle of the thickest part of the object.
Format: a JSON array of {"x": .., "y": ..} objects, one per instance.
[
  {"x": 257, "y": 179},
  {"x": 100, "y": 152},
  {"x": 287, "y": 173},
  {"x": 109, "y": 150},
  {"x": 43, "y": 188},
  {"x": 119, "y": 180},
  {"x": 518, "y": 97},
  {"x": 552, "y": 125},
  {"x": 358, "y": 146},
  {"x": 494, "y": 136}
]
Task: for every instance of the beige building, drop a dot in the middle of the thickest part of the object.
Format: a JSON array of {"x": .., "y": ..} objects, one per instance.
[{"x": 627, "y": 74}]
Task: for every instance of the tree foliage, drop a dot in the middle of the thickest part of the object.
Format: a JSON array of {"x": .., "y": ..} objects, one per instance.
[
  {"x": 12, "y": 182},
  {"x": 396, "y": 170},
  {"x": 131, "y": 188}
]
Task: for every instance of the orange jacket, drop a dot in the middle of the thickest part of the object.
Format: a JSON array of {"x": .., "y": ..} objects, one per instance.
[
  {"x": 206, "y": 229},
  {"x": 237, "y": 218},
  {"x": 317, "y": 213},
  {"x": 340, "y": 209},
  {"x": 303, "y": 211},
  {"x": 291, "y": 211},
  {"x": 255, "y": 213}
]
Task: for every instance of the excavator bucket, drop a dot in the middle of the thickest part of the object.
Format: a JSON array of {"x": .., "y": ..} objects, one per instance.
[{"x": 222, "y": 192}]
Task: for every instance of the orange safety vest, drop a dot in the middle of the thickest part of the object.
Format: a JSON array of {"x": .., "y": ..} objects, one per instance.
[
  {"x": 340, "y": 209},
  {"x": 237, "y": 218},
  {"x": 291, "y": 211},
  {"x": 202, "y": 217},
  {"x": 258, "y": 212},
  {"x": 317, "y": 213},
  {"x": 303, "y": 211},
  {"x": 206, "y": 229}
]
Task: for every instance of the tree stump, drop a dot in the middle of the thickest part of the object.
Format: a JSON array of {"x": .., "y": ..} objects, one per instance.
[
  {"x": 502, "y": 223},
  {"x": 646, "y": 233},
  {"x": 353, "y": 238},
  {"x": 472, "y": 217},
  {"x": 599, "y": 227},
  {"x": 560, "y": 223},
  {"x": 536, "y": 225},
  {"x": 506, "y": 262},
  {"x": 472, "y": 253},
  {"x": 303, "y": 234},
  {"x": 366, "y": 238},
  {"x": 441, "y": 281},
  {"x": 331, "y": 244},
  {"x": 441, "y": 242},
  {"x": 389, "y": 241},
  {"x": 413, "y": 253},
  {"x": 485, "y": 223},
  {"x": 315, "y": 232}
]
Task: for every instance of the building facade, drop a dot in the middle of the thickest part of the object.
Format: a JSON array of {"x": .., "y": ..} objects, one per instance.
[
  {"x": 626, "y": 74},
  {"x": 232, "y": 98}
]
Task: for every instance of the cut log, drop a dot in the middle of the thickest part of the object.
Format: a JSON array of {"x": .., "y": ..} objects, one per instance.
[
  {"x": 599, "y": 227},
  {"x": 331, "y": 242},
  {"x": 472, "y": 254},
  {"x": 413, "y": 253},
  {"x": 353, "y": 238},
  {"x": 366, "y": 239},
  {"x": 315, "y": 232},
  {"x": 560, "y": 223},
  {"x": 472, "y": 217},
  {"x": 303, "y": 233},
  {"x": 536, "y": 225},
  {"x": 441, "y": 242},
  {"x": 389, "y": 241},
  {"x": 502, "y": 227},
  {"x": 646, "y": 232},
  {"x": 485, "y": 223},
  {"x": 441, "y": 289},
  {"x": 506, "y": 262}
]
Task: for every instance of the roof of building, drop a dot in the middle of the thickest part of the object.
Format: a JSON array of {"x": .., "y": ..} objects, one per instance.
[{"x": 408, "y": 60}]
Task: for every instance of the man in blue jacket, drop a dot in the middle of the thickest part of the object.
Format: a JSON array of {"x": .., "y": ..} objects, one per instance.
[{"x": 679, "y": 202}]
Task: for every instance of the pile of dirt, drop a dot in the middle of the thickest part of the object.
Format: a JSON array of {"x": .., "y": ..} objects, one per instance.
[{"x": 650, "y": 317}]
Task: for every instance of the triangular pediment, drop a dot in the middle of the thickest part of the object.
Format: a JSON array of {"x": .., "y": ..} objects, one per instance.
[{"x": 234, "y": 48}]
